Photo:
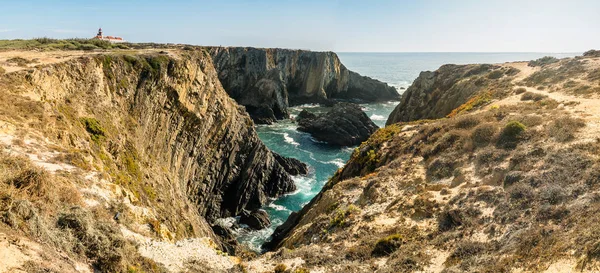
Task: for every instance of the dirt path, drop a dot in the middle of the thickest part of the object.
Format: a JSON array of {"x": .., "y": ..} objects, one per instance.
[{"x": 587, "y": 109}]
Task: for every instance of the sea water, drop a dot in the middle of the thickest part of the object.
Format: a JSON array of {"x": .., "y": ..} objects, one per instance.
[{"x": 396, "y": 69}]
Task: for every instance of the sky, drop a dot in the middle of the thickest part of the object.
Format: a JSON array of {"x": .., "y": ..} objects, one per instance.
[{"x": 335, "y": 25}]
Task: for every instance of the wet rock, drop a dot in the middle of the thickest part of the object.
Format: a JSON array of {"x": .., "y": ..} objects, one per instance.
[
  {"x": 275, "y": 79},
  {"x": 344, "y": 125},
  {"x": 291, "y": 165},
  {"x": 257, "y": 219}
]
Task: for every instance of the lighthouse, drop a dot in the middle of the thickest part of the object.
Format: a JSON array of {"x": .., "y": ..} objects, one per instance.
[{"x": 111, "y": 39}]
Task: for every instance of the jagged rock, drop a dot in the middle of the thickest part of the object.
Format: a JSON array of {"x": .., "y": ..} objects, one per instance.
[
  {"x": 173, "y": 120},
  {"x": 275, "y": 79},
  {"x": 257, "y": 219},
  {"x": 592, "y": 53},
  {"x": 228, "y": 241},
  {"x": 345, "y": 125},
  {"x": 305, "y": 115},
  {"x": 291, "y": 165},
  {"x": 435, "y": 94}
]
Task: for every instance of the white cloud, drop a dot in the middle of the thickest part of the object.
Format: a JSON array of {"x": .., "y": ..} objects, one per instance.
[{"x": 4, "y": 30}]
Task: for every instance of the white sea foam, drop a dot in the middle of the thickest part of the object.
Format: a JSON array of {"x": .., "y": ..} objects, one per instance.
[
  {"x": 309, "y": 105},
  {"x": 277, "y": 207},
  {"x": 290, "y": 140},
  {"x": 338, "y": 162},
  {"x": 377, "y": 117}
]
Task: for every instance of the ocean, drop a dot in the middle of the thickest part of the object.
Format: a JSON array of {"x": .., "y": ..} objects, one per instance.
[{"x": 396, "y": 69}]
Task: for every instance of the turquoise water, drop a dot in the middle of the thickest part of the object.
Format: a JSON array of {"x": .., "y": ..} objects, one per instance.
[{"x": 397, "y": 69}]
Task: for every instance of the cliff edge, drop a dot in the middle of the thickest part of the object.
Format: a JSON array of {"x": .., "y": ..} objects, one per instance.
[
  {"x": 505, "y": 181},
  {"x": 268, "y": 81}
]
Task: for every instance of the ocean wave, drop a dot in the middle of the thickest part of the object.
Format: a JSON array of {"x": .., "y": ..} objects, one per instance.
[
  {"x": 377, "y": 117},
  {"x": 308, "y": 105},
  {"x": 338, "y": 162},
  {"x": 290, "y": 140},
  {"x": 277, "y": 207}
]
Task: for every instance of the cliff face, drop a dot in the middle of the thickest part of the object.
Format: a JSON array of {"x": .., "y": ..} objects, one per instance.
[
  {"x": 492, "y": 188},
  {"x": 160, "y": 127},
  {"x": 268, "y": 81},
  {"x": 435, "y": 94}
]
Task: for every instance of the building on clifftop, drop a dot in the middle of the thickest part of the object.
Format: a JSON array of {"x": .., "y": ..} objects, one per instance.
[{"x": 111, "y": 39}]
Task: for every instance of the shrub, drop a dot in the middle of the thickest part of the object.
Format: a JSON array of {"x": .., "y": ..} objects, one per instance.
[
  {"x": 449, "y": 219},
  {"x": 520, "y": 90},
  {"x": 496, "y": 74},
  {"x": 468, "y": 121},
  {"x": 19, "y": 61},
  {"x": 464, "y": 251},
  {"x": 592, "y": 53},
  {"x": 543, "y": 61},
  {"x": 521, "y": 192},
  {"x": 93, "y": 127},
  {"x": 509, "y": 136},
  {"x": 532, "y": 96},
  {"x": 340, "y": 218},
  {"x": 280, "y": 268},
  {"x": 440, "y": 168},
  {"x": 387, "y": 245},
  {"x": 564, "y": 128},
  {"x": 483, "y": 134},
  {"x": 33, "y": 180},
  {"x": 301, "y": 270}
]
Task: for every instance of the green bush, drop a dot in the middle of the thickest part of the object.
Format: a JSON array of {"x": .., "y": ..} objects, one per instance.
[
  {"x": 280, "y": 268},
  {"x": 543, "y": 61},
  {"x": 93, "y": 127},
  {"x": 509, "y": 136},
  {"x": 387, "y": 245}
]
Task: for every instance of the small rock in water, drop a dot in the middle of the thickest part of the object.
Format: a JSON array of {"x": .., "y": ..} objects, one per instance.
[{"x": 257, "y": 219}]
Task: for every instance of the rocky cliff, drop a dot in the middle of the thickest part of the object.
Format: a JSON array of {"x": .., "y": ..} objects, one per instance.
[
  {"x": 268, "y": 81},
  {"x": 435, "y": 94},
  {"x": 344, "y": 125},
  {"x": 491, "y": 188},
  {"x": 154, "y": 130}
]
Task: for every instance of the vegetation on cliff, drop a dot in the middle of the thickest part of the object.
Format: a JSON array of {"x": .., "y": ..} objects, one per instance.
[{"x": 507, "y": 185}]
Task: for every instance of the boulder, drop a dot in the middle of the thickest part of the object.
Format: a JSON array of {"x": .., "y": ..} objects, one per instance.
[
  {"x": 291, "y": 165},
  {"x": 257, "y": 219},
  {"x": 344, "y": 125}
]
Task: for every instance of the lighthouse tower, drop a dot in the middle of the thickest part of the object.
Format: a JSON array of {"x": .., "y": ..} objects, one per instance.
[{"x": 111, "y": 39}]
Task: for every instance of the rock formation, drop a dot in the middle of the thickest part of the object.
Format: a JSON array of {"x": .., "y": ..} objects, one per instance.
[
  {"x": 344, "y": 125},
  {"x": 291, "y": 165},
  {"x": 257, "y": 219},
  {"x": 435, "y": 94},
  {"x": 447, "y": 195},
  {"x": 268, "y": 81},
  {"x": 159, "y": 126}
]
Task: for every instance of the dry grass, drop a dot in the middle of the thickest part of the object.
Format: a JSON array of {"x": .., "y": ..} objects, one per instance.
[
  {"x": 563, "y": 129},
  {"x": 48, "y": 207}
]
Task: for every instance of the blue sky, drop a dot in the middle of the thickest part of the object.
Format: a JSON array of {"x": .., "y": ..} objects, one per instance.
[{"x": 359, "y": 26}]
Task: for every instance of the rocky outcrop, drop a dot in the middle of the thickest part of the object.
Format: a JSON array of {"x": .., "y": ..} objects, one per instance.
[
  {"x": 291, "y": 165},
  {"x": 435, "y": 94},
  {"x": 592, "y": 53},
  {"x": 164, "y": 128},
  {"x": 256, "y": 220},
  {"x": 268, "y": 81},
  {"x": 344, "y": 125}
]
